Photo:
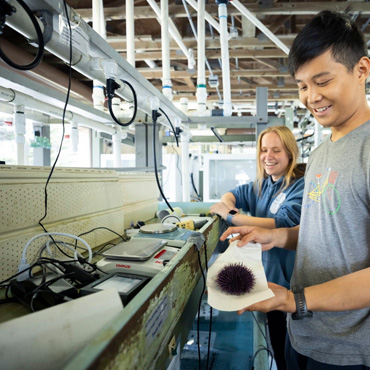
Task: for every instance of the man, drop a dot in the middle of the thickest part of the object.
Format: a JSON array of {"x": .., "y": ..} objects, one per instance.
[{"x": 329, "y": 325}]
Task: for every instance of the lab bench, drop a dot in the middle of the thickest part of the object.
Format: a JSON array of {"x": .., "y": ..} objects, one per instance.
[
  {"x": 152, "y": 329},
  {"x": 158, "y": 319}
]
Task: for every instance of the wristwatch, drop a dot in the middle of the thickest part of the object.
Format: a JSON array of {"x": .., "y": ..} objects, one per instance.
[
  {"x": 230, "y": 216},
  {"x": 301, "y": 306}
]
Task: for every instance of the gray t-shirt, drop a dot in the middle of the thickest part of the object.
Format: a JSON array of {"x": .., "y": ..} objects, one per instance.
[{"x": 334, "y": 240}]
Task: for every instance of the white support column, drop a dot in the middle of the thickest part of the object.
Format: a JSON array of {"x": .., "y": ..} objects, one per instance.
[
  {"x": 201, "y": 82},
  {"x": 117, "y": 149},
  {"x": 222, "y": 14},
  {"x": 130, "y": 32},
  {"x": 166, "y": 81},
  {"x": 98, "y": 26},
  {"x": 19, "y": 122},
  {"x": 185, "y": 137}
]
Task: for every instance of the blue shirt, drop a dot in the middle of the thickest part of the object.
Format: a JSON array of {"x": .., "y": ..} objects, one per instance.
[{"x": 285, "y": 209}]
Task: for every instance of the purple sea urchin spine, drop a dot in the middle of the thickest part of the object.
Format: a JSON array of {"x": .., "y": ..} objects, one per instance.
[{"x": 235, "y": 279}]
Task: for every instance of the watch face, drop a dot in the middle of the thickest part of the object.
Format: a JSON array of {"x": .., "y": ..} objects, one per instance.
[{"x": 232, "y": 212}]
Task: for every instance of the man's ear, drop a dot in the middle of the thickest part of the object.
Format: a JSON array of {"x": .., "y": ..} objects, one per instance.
[{"x": 363, "y": 69}]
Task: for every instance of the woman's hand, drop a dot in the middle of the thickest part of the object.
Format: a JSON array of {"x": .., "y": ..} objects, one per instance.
[
  {"x": 248, "y": 234},
  {"x": 221, "y": 209}
]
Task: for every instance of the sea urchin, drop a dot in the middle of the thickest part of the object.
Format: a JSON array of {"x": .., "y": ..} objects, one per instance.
[{"x": 235, "y": 279}]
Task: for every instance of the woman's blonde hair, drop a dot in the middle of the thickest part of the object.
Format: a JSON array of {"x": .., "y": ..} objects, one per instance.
[{"x": 290, "y": 145}]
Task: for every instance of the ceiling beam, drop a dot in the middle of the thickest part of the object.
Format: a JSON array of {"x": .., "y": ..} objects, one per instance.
[
  {"x": 119, "y": 43},
  {"x": 284, "y": 8},
  {"x": 213, "y": 54},
  {"x": 157, "y": 73}
]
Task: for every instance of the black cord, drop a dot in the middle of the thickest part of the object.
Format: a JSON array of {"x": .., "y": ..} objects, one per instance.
[
  {"x": 304, "y": 137},
  {"x": 98, "y": 252},
  {"x": 154, "y": 117},
  {"x": 40, "y": 38},
  {"x": 220, "y": 139},
  {"x": 15, "y": 275},
  {"x": 199, "y": 306},
  {"x": 112, "y": 86},
  {"x": 104, "y": 228},
  {"x": 263, "y": 349},
  {"x": 39, "y": 289},
  {"x": 195, "y": 189},
  {"x": 210, "y": 312},
  {"x": 63, "y": 125},
  {"x": 173, "y": 129}
]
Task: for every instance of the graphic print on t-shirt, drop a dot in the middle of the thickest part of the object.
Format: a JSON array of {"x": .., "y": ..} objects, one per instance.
[{"x": 324, "y": 191}]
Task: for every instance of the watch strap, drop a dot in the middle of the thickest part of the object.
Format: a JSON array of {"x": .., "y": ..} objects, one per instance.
[
  {"x": 229, "y": 218},
  {"x": 301, "y": 305}
]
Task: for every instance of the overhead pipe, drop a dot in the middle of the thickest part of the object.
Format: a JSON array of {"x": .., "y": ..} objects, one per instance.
[
  {"x": 174, "y": 34},
  {"x": 166, "y": 81},
  {"x": 201, "y": 81},
  {"x": 130, "y": 32},
  {"x": 244, "y": 11},
  {"x": 17, "y": 98},
  {"x": 98, "y": 18},
  {"x": 185, "y": 138},
  {"x": 207, "y": 16},
  {"x": 86, "y": 65},
  {"x": 44, "y": 72},
  {"x": 98, "y": 26},
  {"x": 19, "y": 123},
  {"x": 222, "y": 14},
  {"x": 89, "y": 66}
]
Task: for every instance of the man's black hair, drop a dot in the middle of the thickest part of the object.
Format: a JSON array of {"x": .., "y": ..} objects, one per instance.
[{"x": 328, "y": 31}]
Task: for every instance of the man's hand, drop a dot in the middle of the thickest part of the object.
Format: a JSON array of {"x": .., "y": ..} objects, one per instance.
[
  {"x": 221, "y": 209},
  {"x": 247, "y": 234},
  {"x": 283, "y": 301}
]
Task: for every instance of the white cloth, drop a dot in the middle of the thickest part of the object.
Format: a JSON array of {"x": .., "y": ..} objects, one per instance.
[{"x": 250, "y": 256}]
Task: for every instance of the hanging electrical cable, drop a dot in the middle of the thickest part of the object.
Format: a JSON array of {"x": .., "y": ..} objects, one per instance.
[
  {"x": 8, "y": 10},
  {"x": 155, "y": 116},
  {"x": 63, "y": 124},
  {"x": 112, "y": 86},
  {"x": 214, "y": 130},
  {"x": 176, "y": 134}
]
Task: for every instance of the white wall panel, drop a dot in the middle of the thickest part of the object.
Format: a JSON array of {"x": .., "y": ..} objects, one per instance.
[{"x": 78, "y": 201}]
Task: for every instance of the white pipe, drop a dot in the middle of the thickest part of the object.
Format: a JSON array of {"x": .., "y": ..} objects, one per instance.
[
  {"x": 98, "y": 18},
  {"x": 222, "y": 14},
  {"x": 173, "y": 32},
  {"x": 185, "y": 137},
  {"x": 207, "y": 16},
  {"x": 166, "y": 82},
  {"x": 184, "y": 105},
  {"x": 87, "y": 65},
  {"x": 130, "y": 32},
  {"x": 238, "y": 5},
  {"x": 74, "y": 136},
  {"x": 201, "y": 81},
  {"x": 117, "y": 149},
  {"x": 17, "y": 98},
  {"x": 19, "y": 123},
  {"x": 98, "y": 26}
]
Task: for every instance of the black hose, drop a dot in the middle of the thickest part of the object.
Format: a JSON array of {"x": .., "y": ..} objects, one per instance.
[
  {"x": 154, "y": 116},
  {"x": 40, "y": 37},
  {"x": 173, "y": 129},
  {"x": 111, "y": 87}
]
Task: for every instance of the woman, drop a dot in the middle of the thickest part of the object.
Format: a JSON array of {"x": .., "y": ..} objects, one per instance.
[{"x": 273, "y": 200}]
